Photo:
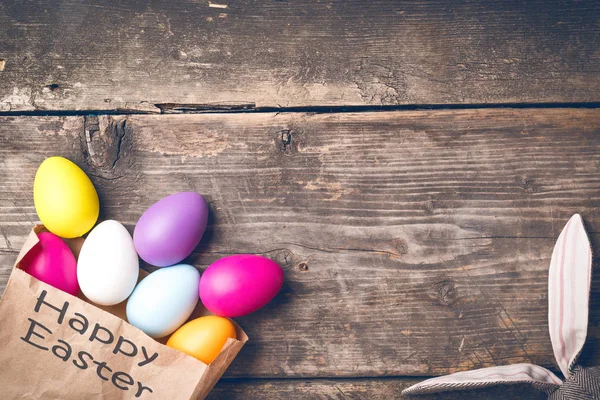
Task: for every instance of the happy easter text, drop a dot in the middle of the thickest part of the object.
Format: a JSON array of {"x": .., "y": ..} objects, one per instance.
[{"x": 37, "y": 336}]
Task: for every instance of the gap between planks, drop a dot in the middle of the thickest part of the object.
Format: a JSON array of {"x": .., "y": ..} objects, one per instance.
[{"x": 170, "y": 108}]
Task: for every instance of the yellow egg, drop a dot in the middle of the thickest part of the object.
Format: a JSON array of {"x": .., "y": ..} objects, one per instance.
[
  {"x": 65, "y": 198},
  {"x": 203, "y": 338}
]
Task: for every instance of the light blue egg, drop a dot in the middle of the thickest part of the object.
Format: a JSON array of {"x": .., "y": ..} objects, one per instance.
[{"x": 164, "y": 300}]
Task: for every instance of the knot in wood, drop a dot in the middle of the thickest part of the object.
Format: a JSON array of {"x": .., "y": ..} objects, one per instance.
[
  {"x": 401, "y": 246},
  {"x": 283, "y": 257},
  {"x": 527, "y": 184},
  {"x": 445, "y": 292},
  {"x": 103, "y": 138},
  {"x": 429, "y": 207}
]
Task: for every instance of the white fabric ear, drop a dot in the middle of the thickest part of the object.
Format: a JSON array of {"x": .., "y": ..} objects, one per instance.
[
  {"x": 568, "y": 293},
  {"x": 507, "y": 374}
]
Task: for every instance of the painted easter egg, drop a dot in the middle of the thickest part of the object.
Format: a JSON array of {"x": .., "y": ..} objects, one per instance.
[
  {"x": 108, "y": 266},
  {"x": 203, "y": 338},
  {"x": 238, "y": 285},
  {"x": 171, "y": 228},
  {"x": 51, "y": 261},
  {"x": 64, "y": 197},
  {"x": 164, "y": 300}
]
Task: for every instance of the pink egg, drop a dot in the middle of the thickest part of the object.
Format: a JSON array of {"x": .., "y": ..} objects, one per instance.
[
  {"x": 238, "y": 285},
  {"x": 51, "y": 261}
]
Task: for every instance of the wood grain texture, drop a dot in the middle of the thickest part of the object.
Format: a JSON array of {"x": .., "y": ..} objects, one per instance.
[
  {"x": 189, "y": 54},
  {"x": 414, "y": 243},
  {"x": 351, "y": 389}
]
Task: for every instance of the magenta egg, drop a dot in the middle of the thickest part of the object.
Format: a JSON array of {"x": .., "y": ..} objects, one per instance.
[
  {"x": 51, "y": 261},
  {"x": 171, "y": 228},
  {"x": 238, "y": 285}
]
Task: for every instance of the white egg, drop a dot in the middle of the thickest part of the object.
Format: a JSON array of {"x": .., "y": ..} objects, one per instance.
[{"x": 108, "y": 266}]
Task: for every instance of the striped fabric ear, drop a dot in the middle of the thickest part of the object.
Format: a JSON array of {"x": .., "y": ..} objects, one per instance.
[
  {"x": 568, "y": 293},
  {"x": 507, "y": 374}
]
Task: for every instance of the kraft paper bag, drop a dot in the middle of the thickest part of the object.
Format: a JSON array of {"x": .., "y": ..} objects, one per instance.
[{"x": 57, "y": 346}]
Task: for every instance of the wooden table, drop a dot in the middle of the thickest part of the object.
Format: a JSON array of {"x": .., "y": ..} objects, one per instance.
[{"x": 408, "y": 163}]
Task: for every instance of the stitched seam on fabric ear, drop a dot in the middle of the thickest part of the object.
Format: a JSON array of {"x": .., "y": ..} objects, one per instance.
[
  {"x": 438, "y": 387},
  {"x": 573, "y": 364}
]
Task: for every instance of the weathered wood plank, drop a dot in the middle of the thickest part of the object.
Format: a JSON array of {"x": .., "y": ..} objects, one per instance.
[
  {"x": 414, "y": 243},
  {"x": 351, "y": 389},
  {"x": 73, "y": 55}
]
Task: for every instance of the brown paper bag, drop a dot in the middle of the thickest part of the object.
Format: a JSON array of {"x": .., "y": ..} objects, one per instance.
[{"x": 57, "y": 346}]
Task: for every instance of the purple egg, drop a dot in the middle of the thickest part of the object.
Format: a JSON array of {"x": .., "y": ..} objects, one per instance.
[
  {"x": 238, "y": 285},
  {"x": 171, "y": 228}
]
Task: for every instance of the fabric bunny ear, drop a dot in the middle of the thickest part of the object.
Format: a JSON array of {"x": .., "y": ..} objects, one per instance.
[
  {"x": 568, "y": 298},
  {"x": 507, "y": 374},
  {"x": 568, "y": 293}
]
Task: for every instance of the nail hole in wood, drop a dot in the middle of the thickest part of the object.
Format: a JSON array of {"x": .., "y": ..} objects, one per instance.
[
  {"x": 286, "y": 138},
  {"x": 303, "y": 267},
  {"x": 53, "y": 87}
]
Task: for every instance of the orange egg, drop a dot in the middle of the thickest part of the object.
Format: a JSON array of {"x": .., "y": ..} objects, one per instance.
[{"x": 203, "y": 338}]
